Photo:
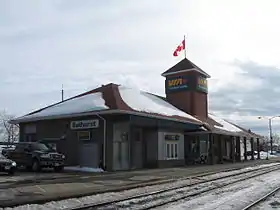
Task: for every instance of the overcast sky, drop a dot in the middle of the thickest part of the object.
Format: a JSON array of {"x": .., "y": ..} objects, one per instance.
[{"x": 84, "y": 44}]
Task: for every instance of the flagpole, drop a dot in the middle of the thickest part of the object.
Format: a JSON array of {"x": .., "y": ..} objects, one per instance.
[
  {"x": 62, "y": 93},
  {"x": 185, "y": 46}
]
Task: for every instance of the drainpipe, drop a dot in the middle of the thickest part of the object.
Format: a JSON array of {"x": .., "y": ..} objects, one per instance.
[{"x": 104, "y": 140}]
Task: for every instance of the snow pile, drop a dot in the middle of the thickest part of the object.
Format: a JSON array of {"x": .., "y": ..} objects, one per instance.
[
  {"x": 82, "y": 169},
  {"x": 146, "y": 102},
  {"x": 87, "y": 103},
  {"x": 226, "y": 126},
  {"x": 264, "y": 155}
]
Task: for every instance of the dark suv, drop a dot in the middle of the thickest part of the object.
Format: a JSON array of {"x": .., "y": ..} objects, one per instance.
[{"x": 35, "y": 156}]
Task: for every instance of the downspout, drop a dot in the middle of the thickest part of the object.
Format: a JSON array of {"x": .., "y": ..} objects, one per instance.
[{"x": 104, "y": 141}]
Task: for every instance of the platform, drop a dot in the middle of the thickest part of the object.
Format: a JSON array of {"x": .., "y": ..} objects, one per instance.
[{"x": 15, "y": 192}]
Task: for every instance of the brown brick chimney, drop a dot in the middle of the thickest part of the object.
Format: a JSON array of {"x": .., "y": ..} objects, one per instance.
[{"x": 186, "y": 88}]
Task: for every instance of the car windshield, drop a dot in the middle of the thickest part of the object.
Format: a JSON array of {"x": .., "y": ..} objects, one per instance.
[{"x": 40, "y": 147}]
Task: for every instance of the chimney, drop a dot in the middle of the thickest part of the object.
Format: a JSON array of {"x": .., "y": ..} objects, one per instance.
[{"x": 186, "y": 88}]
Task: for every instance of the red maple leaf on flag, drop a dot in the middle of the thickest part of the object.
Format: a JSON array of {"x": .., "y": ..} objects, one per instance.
[{"x": 180, "y": 48}]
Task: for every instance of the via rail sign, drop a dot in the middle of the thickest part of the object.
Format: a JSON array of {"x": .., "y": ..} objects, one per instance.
[{"x": 176, "y": 83}]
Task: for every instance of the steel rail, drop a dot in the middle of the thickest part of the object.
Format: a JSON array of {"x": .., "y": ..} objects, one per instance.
[
  {"x": 265, "y": 197},
  {"x": 108, "y": 203}
]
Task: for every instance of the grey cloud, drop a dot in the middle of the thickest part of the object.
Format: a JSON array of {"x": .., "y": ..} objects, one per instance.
[
  {"x": 263, "y": 100},
  {"x": 83, "y": 44}
]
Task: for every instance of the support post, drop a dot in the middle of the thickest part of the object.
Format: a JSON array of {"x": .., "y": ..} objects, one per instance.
[
  {"x": 238, "y": 154},
  {"x": 232, "y": 143},
  {"x": 258, "y": 148},
  {"x": 252, "y": 149},
  {"x": 245, "y": 148},
  {"x": 131, "y": 144},
  {"x": 211, "y": 149},
  {"x": 220, "y": 149}
]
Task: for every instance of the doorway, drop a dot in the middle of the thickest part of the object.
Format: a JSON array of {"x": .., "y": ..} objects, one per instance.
[{"x": 120, "y": 147}]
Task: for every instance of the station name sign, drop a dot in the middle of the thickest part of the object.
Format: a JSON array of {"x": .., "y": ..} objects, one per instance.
[
  {"x": 171, "y": 137},
  {"x": 176, "y": 83},
  {"x": 84, "y": 124}
]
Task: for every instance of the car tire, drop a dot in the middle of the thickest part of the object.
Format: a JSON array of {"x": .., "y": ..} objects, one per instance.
[
  {"x": 12, "y": 172},
  {"x": 28, "y": 168},
  {"x": 36, "y": 165},
  {"x": 58, "y": 169}
]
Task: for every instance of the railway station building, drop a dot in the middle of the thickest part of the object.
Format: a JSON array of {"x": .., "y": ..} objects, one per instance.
[{"x": 120, "y": 128}]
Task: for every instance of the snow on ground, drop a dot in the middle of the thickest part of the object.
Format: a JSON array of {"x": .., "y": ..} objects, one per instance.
[
  {"x": 138, "y": 100},
  {"x": 226, "y": 126},
  {"x": 232, "y": 197},
  {"x": 87, "y": 103},
  {"x": 264, "y": 155},
  {"x": 270, "y": 204},
  {"x": 75, "y": 202},
  {"x": 82, "y": 169}
]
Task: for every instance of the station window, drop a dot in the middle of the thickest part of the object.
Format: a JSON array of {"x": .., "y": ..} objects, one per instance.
[
  {"x": 172, "y": 150},
  {"x": 30, "y": 137},
  {"x": 84, "y": 135}
]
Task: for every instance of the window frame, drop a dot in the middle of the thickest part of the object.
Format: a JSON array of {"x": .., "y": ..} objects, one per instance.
[{"x": 172, "y": 148}]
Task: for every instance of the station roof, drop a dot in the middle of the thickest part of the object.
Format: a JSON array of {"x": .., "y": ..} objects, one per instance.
[
  {"x": 111, "y": 98},
  {"x": 118, "y": 99}
]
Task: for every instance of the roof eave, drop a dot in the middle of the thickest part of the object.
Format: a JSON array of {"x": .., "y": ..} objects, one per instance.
[
  {"x": 186, "y": 70},
  {"x": 17, "y": 121}
]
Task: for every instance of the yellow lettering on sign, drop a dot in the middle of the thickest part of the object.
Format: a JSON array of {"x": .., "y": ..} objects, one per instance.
[
  {"x": 202, "y": 81},
  {"x": 175, "y": 82}
]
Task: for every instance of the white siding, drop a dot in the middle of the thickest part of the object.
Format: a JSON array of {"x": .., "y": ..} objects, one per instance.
[{"x": 162, "y": 145}]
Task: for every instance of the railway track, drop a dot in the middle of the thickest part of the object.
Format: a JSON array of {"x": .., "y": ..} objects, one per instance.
[
  {"x": 262, "y": 199},
  {"x": 163, "y": 197}
]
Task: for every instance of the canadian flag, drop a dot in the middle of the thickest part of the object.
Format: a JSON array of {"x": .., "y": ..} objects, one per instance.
[{"x": 180, "y": 48}]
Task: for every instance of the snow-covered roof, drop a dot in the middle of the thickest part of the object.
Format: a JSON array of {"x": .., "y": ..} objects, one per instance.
[
  {"x": 145, "y": 102},
  {"x": 87, "y": 103},
  {"x": 226, "y": 126}
]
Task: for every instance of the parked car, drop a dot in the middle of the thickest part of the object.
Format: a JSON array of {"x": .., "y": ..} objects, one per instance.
[
  {"x": 7, "y": 165},
  {"x": 35, "y": 156}
]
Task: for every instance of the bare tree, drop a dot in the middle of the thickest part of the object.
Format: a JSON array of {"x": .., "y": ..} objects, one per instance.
[
  {"x": 276, "y": 138},
  {"x": 8, "y": 132},
  {"x": 275, "y": 142}
]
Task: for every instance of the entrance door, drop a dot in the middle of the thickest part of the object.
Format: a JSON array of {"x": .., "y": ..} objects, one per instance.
[
  {"x": 121, "y": 155},
  {"x": 89, "y": 155},
  {"x": 137, "y": 150},
  {"x": 120, "y": 148}
]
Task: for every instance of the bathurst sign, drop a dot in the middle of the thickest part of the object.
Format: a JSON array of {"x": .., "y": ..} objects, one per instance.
[{"x": 84, "y": 124}]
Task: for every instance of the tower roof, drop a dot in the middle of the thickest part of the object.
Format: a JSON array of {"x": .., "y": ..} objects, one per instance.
[{"x": 184, "y": 65}]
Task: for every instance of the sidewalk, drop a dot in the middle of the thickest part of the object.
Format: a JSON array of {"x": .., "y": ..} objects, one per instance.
[{"x": 89, "y": 184}]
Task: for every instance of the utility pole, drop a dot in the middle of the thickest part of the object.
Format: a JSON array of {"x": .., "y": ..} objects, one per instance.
[{"x": 270, "y": 134}]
